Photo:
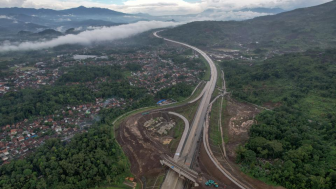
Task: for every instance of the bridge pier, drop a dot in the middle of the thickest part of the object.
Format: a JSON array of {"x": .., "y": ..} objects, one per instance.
[{"x": 183, "y": 171}]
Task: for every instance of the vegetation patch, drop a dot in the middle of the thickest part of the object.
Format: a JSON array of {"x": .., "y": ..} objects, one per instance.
[
  {"x": 90, "y": 158},
  {"x": 294, "y": 144}
]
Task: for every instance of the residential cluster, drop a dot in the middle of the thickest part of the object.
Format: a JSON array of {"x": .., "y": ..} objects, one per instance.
[
  {"x": 155, "y": 77},
  {"x": 29, "y": 77},
  {"x": 155, "y": 73},
  {"x": 17, "y": 140}
]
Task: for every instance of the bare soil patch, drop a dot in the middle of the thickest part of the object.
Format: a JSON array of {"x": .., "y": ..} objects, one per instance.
[
  {"x": 238, "y": 119},
  {"x": 142, "y": 146},
  {"x": 210, "y": 171},
  {"x": 142, "y": 150}
]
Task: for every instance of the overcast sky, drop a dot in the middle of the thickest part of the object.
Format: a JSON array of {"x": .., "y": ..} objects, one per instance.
[{"x": 162, "y": 7}]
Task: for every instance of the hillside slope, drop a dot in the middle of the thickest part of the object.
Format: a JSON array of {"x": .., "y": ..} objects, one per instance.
[
  {"x": 294, "y": 144},
  {"x": 292, "y": 31}
]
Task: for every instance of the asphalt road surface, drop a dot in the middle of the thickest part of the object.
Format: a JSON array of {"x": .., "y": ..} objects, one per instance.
[{"x": 188, "y": 151}]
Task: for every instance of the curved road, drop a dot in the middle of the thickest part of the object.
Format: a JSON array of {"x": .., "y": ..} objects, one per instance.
[
  {"x": 197, "y": 125},
  {"x": 191, "y": 141},
  {"x": 184, "y": 135}
]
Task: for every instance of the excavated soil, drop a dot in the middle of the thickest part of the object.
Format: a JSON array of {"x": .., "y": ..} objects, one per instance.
[
  {"x": 142, "y": 150},
  {"x": 239, "y": 117},
  {"x": 210, "y": 171}
]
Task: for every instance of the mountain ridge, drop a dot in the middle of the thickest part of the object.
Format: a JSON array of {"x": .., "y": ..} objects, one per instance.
[
  {"x": 76, "y": 11},
  {"x": 290, "y": 31}
]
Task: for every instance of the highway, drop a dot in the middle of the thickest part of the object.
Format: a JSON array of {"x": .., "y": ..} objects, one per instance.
[
  {"x": 192, "y": 140},
  {"x": 211, "y": 155},
  {"x": 184, "y": 135},
  {"x": 181, "y": 169}
]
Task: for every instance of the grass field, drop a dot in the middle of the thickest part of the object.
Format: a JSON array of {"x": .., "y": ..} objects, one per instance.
[
  {"x": 197, "y": 92},
  {"x": 316, "y": 106},
  {"x": 189, "y": 111},
  {"x": 155, "y": 182},
  {"x": 225, "y": 116},
  {"x": 219, "y": 76},
  {"x": 127, "y": 73},
  {"x": 214, "y": 129},
  {"x": 177, "y": 134},
  {"x": 207, "y": 74}
]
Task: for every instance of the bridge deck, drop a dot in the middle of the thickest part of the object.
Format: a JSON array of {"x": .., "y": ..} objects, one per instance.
[{"x": 180, "y": 169}]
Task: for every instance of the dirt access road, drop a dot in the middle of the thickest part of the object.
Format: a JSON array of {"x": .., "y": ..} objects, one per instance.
[{"x": 142, "y": 150}]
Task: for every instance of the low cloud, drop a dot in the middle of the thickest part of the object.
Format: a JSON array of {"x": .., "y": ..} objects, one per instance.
[
  {"x": 60, "y": 29},
  {"x": 164, "y": 7},
  {"x": 6, "y": 17},
  {"x": 218, "y": 16},
  {"x": 88, "y": 37}
]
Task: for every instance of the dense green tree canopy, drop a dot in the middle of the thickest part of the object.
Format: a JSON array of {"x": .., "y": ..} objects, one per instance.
[
  {"x": 294, "y": 144},
  {"x": 90, "y": 73},
  {"x": 176, "y": 91},
  {"x": 16, "y": 106},
  {"x": 89, "y": 160}
]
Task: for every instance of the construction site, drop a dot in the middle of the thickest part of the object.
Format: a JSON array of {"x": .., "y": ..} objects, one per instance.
[
  {"x": 176, "y": 147},
  {"x": 145, "y": 138}
]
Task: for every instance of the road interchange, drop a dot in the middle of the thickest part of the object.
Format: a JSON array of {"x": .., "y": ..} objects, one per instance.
[{"x": 190, "y": 144}]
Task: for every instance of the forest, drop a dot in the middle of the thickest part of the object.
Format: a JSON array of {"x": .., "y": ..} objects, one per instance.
[
  {"x": 190, "y": 63},
  {"x": 292, "y": 145},
  {"x": 180, "y": 90},
  {"x": 88, "y": 160},
  {"x": 90, "y": 73},
  {"x": 295, "y": 30}
]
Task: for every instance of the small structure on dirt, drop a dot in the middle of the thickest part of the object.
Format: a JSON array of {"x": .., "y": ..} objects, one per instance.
[
  {"x": 159, "y": 125},
  {"x": 166, "y": 141}
]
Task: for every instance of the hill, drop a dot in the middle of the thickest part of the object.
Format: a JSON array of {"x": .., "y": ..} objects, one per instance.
[
  {"x": 294, "y": 144},
  {"x": 73, "y": 11},
  {"x": 13, "y": 25},
  {"x": 290, "y": 31},
  {"x": 92, "y": 11},
  {"x": 17, "y": 19},
  {"x": 90, "y": 22},
  {"x": 49, "y": 32}
]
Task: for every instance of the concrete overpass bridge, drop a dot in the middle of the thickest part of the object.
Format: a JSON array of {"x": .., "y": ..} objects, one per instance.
[{"x": 182, "y": 170}]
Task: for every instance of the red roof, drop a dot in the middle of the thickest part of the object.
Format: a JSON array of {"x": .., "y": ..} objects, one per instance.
[{"x": 13, "y": 131}]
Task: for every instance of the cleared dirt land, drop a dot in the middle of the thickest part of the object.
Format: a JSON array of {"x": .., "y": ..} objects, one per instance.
[
  {"x": 237, "y": 118},
  {"x": 141, "y": 148},
  {"x": 144, "y": 147}
]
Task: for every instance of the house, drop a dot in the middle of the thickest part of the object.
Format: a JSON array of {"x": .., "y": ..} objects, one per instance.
[
  {"x": 4, "y": 152},
  {"x": 13, "y": 131},
  {"x": 21, "y": 138},
  {"x": 4, "y": 158},
  {"x": 58, "y": 129}
]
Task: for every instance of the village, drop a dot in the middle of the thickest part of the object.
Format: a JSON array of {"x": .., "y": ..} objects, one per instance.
[
  {"x": 17, "y": 140},
  {"x": 155, "y": 73}
]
